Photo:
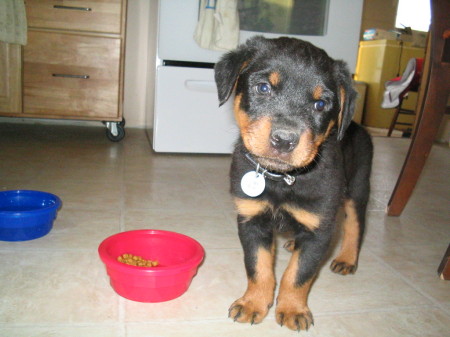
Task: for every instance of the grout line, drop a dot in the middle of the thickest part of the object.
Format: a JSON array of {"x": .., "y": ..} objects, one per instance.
[
  {"x": 122, "y": 325},
  {"x": 430, "y": 298},
  {"x": 122, "y": 211},
  {"x": 4, "y": 325},
  {"x": 121, "y": 303},
  {"x": 49, "y": 249},
  {"x": 122, "y": 196},
  {"x": 374, "y": 310},
  {"x": 271, "y": 315}
]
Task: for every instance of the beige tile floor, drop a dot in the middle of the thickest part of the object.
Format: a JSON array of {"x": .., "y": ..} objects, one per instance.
[{"x": 57, "y": 286}]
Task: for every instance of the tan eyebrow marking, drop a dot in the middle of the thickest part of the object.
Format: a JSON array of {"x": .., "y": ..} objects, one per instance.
[
  {"x": 274, "y": 78},
  {"x": 318, "y": 91}
]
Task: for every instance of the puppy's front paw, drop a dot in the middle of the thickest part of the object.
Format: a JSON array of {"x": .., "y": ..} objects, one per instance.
[
  {"x": 342, "y": 267},
  {"x": 245, "y": 310},
  {"x": 294, "y": 318}
]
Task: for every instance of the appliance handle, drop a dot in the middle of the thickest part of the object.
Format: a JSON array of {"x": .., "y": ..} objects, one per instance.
[
  {"x": 73, "y": 8},
  {"x": 201, "y": 85}
]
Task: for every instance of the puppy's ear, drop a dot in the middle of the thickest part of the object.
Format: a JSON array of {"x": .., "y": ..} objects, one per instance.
[
  {"x": 347, "y": 97},
  {"x": 227, "y": 70}
]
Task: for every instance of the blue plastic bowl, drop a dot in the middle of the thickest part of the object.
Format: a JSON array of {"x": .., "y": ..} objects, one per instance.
[{"x": 26, "y": 215}]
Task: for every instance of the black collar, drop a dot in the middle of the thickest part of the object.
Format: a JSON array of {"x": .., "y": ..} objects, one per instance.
[{"x": 287, "y": 178}]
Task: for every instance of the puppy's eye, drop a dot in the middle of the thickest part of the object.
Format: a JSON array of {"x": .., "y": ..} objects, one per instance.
[
  {"x": 263, "y": 89},
  {"x": 319, "y": 105}
]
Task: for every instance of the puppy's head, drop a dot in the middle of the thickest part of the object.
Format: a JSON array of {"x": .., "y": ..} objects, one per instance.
[{"x": 290, "y": 97}]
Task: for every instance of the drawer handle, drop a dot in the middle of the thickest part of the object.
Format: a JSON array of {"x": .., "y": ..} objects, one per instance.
[
  {"x": 84, "y": 77},
  {"x": 87, "y": 9}
]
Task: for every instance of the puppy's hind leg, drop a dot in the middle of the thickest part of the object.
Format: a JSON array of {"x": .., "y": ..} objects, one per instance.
[
  {"x": 358, "y": 152},
  {"x": 347, "y": 260}
]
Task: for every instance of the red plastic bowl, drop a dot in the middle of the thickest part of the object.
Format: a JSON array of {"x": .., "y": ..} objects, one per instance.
[{"x": 178, "y": 255}]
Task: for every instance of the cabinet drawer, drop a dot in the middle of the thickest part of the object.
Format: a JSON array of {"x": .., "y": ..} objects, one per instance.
[
  {"x": 71, "y": 76},
  {"x": 94, "y": 15}
]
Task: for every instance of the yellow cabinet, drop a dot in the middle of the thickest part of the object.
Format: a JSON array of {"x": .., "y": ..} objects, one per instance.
[{"x": 378, "y": 62}]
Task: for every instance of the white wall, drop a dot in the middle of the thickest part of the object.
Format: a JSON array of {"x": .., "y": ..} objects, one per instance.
[
  {"x": 151, "y": 73},
  {"x": 138, "y": 51}
]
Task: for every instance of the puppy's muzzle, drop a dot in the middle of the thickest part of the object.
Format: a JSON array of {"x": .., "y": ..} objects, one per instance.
[{"x": 284, "y": 141}]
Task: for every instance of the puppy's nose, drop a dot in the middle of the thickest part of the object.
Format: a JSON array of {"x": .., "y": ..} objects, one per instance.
[{"x": 284, "y": 140}]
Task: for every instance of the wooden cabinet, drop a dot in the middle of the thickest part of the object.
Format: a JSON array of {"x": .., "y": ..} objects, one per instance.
[
  {"x": 378, "y": 62},
  {"x": 102, "y": 16},
  {"x": 73, "y": 62},
  {"x": 10, "y": 75},
  {"x": 68, "y": 75}
]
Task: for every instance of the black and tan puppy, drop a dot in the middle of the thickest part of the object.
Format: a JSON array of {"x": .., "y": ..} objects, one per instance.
[{"x": 299, "y": 158}]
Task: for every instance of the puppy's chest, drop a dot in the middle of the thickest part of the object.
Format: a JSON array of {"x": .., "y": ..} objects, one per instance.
[
  {"x": 304, "y": 190},
  {"x": 287, "y": 217},
  {"x": 308, "y": 205}
]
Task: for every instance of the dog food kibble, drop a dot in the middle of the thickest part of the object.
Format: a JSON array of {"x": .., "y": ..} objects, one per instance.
[{"x": 137, "y": 261}]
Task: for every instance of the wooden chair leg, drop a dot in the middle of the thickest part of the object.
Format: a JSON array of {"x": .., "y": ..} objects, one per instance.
[
  {"x": 423, "y": 139},
  {"x": 430, "y": 111},
  {"x": 394, "y": 118},
  {"x": 444, "y": 267}
]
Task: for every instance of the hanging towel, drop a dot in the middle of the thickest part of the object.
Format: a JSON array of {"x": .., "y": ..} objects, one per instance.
[
  {"x": 205, "y": 25},
  {"x": 395, "y": 87},
  {"x": 13, "y": 22},
  {"x": 218, "y": 25}
]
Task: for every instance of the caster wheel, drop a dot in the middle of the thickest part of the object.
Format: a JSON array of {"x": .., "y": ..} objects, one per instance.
[{"x": 116, "y": 137}]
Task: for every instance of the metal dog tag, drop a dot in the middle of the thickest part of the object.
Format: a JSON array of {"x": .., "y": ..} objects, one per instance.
[
  {"x": 253, "y": 183},
  {"x": 290, "y": 180}
]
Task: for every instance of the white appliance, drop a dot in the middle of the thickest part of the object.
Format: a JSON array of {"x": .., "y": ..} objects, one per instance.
[
  {"x": 187, "y": 113},
  {"x": 187, "y": 117}
]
